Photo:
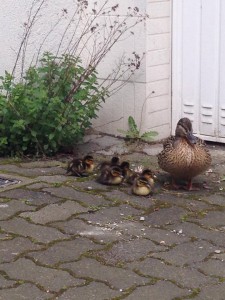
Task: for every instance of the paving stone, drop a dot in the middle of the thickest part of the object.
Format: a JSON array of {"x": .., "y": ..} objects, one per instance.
[
  {"x": 165, "y": 216},
  {"x": 10, "y": 249},
  {"x": 91, "y": 138},
  {"x": 183, "y": 254},
  {"x": 93, "y": 291},
  {"x": 10, "y": 208},
  {"x": 214, "y": 292},
  {"x": 72, "y": 194},
  {"x": 25, "y": 291},
  {"x": 32, "y": 172},
  {"x": 53, "y": 178},
  {"x": 112, "y": 214},
  {"x": 31, "y": 197},
  {"x": 153, "y": 150},
  {"x": 127, "y": 197},
  {"x": 49, "y": 279},
  {"x": 118, "y": 195},
  {"x": 108, "y": 141},
  {"x": 125, "y": 251},
  {"x": 40, "y": 233},
  {"x": 220, "y": 256},
  {"x": 213, "y": 219},
  {"x": 5, "y": 236},
  {"x": 38, "y": 186},
  {"x": 161, "y": 290},
  {"x": 213, "y": 267},
  {"x": 182, "y": 199},
  {"x": 85, "y": 185},
  {"x": 196, "y": 231},
  {"x": 41, "y": 164},
  {"x": 116, "y": 277},
  {"x": 119, "y": 149},
  {"x": 86, "y": 148},
  {"x": 165, "y": 237},
  {"x": 103, "y": 234},
  {"x": 62, "y": 252},
  {"x": 216, "y": 199},
  {"x": 55, "y": 212},
  {"x": 5, "y": 283},
  {"x": 183, "y": 276},
  {"x": 139, "y": 159}
]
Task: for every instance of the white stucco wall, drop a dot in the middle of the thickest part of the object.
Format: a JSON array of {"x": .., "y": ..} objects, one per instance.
[{"x": 146, "y": 97}]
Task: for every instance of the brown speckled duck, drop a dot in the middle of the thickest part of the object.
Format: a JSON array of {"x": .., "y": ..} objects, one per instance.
[{"x": 184, "y": 156}]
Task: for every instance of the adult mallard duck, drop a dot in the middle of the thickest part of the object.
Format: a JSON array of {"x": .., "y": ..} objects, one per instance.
[{"x": 184, "y": 156}]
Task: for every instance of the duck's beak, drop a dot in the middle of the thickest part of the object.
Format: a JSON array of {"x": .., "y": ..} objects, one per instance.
[{"x": 191, "y": 138}]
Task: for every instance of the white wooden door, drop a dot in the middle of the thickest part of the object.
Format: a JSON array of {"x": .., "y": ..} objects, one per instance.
[{"x": 198, "y": 66}]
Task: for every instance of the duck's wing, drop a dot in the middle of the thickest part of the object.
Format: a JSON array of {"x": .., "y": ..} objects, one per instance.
[{"x": 169, "y": 142}]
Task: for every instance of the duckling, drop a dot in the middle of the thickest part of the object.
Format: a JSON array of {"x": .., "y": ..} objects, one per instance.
[
  {"x": 111, "y": 176},
  {"x": 141, "y": 186},
  {"x": 184, "y": 156},
  {"x": 89, "y": 165},
  {"x": 114, "y": 162},
  {"x": 127, "y": 172},
  {"x": 81, "y": 167},
  {"x": 148, "y": 174}
]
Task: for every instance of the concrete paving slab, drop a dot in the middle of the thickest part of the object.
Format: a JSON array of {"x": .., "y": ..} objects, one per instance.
[
  {"x": 161, "y": 290},
  {"x": 115, "y": 277},
  {"x": 50, "y": 279},
  {"x": 92, "y": 291},
  {"x": 21, "y": 293},
  {"x": 65, "y": 251}
]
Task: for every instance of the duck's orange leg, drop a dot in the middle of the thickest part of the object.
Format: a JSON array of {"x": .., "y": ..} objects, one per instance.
[{"x": 190, "y": 186}]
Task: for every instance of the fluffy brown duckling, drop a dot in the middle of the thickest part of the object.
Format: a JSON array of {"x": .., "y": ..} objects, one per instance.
[
  {"x": 184, "y": 156},
  {"x": 81, "y": 167},
  {"x": 127, "y": 172},
  {"x": 89, "y": 165},
  {"x": 111, "y": 176},
  {"x": 113, "y": 162},
  {"x": 149, "y": 175},
  {"x": 141, "y": 186}
]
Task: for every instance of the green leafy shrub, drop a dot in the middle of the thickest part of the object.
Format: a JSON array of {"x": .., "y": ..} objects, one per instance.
[
  {"x": 49, "y": 109},
  {"x": 134, "y": 133}
]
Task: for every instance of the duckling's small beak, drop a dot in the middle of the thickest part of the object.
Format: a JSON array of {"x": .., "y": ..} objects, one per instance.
[{"x": 191, "y": 138}]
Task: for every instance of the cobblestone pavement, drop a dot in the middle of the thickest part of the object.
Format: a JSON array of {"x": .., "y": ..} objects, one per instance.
[{"x": 67, "y": 238}]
